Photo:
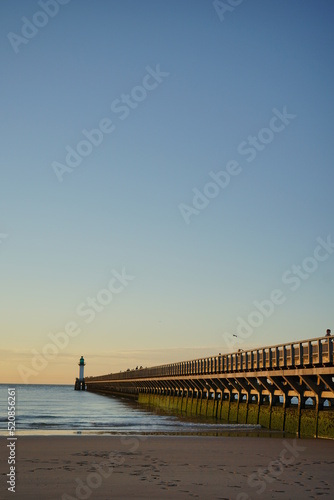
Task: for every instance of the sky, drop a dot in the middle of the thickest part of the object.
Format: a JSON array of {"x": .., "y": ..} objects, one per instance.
[{"x": 167, "y": 181}]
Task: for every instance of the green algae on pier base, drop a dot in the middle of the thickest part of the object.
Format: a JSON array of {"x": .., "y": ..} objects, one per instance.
[{"x": 290, "y": 420}]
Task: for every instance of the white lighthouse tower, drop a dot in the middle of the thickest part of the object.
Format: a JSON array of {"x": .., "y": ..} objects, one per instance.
[
  {"x": 80, "y": 382},
  {"x": 81, "y": 368}
]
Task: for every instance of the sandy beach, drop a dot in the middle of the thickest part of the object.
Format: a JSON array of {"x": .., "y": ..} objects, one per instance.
[{"x": 111, "y": 467}]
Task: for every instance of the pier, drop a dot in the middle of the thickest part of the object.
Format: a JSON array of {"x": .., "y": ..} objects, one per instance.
[{"x": 287, "y": 387}]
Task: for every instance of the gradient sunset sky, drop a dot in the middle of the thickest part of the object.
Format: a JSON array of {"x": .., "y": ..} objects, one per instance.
[{"x": 184, "y": 90}]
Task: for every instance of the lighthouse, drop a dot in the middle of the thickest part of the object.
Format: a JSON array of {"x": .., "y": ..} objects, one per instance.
[
  {"x": 80, "y": 382},
  {"x": 82, "y": 367}
]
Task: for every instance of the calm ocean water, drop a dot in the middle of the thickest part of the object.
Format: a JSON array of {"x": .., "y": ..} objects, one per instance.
[{"x": 58, "y": 409}]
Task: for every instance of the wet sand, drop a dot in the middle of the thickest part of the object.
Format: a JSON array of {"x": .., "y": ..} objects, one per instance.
[{"x": 155, "y": 467}]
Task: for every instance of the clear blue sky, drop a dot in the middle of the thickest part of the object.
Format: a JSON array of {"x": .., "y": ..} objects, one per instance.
[{"x": 120, "y": 208}]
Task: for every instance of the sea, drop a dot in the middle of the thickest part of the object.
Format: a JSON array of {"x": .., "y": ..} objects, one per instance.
[{"x": 59, "y": 409}]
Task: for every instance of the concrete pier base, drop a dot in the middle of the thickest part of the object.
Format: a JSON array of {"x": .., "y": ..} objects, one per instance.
[
  {"x": 80, "y": 384},
  {"x": 290, "y": 420}
]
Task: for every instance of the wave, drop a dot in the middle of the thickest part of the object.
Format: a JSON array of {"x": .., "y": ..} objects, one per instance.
[{"x": 146, "y": 429}]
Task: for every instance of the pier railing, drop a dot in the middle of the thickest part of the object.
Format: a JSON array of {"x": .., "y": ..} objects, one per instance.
[{"x": 309, "y": 353}]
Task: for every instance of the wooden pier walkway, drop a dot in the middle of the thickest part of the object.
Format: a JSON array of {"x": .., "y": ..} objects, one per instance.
[{"x": 285, "y": 387}]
